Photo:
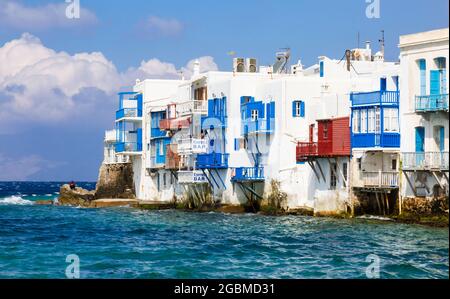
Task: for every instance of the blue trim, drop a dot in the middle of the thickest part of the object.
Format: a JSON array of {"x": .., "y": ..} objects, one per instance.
[
  {"x": 321, "y": 69},
  {"x": 248, "y": 174}
]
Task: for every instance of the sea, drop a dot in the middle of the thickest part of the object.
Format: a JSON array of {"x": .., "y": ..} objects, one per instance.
[{"x": 39, "y": 241}]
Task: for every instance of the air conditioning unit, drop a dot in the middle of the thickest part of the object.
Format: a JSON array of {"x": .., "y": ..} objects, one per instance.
[
  {"x": 239, "y": 65},
  {"x": 251, "y": 65}
]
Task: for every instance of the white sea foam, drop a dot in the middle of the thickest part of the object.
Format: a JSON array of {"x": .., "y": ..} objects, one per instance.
[
  {"x": 373, "y": 217},
  {"x": 15, "y": 200}
]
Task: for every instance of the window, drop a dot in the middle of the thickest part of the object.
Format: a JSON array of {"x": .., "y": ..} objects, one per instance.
[
  {"x": 442, "y": 65},
  {"x": 325, "y": 130},
  {"x": 364, "y": 121},
  {"x": 298, "y": 109},
  {"x": 377, "y": 120},
  {"x": 164, "y": 180},
  {"x": 371, "y": 120},
  {"x": 359, "y": 161},
  {"x": 254, "y": 115},
  {"x": 321, "y": 69},
  {"x": 394, "y": 164},
  {"x": 161, "y": 148},
  {"x": 333, "y": 178},
  {"x": 345, "y": 170},
  {"x": 391, "y": 120},
  {"x": 356, "y": 125},
  {"x": 423, "y": 74}
]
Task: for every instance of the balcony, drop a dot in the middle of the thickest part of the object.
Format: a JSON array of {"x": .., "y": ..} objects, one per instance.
[
  {"x": 129, "y": 113},
  {"x": 212, "y": 161},
  {"x": 380, "y": 179},
  {"x": 119, "y": 159},
  {"x": 191, "y": 177},
  {"x": 128, "y": 147},
  {"x": 382, "y": 98},
  {"x": 173, "y": 159},
  {"x": 157, "y": 133},
  {"x": 189, "y": 146},
  {"x": 192, "y": 107},
  {"x": 261, "y": 125},
  {"x": 367, "y": 140},
  {"x": 307, "y": 150},
  {"x": 425, "y": 161},
  {"x": 432, "y": 103},
  {"x": 175, "y": 123},
  {"x": 110, "y": 136},
  {"x": 153, "y": 163},
  {"x": 248, "y": 174}
]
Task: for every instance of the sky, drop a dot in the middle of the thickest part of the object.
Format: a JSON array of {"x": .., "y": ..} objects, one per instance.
[{"x": 59, "y": 77}]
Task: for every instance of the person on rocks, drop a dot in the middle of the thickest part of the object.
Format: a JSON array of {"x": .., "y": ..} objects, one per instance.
[{"x": 72, "y": 185}]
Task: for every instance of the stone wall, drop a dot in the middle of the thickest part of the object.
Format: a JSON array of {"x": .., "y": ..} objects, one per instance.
[{"x": 115, "y": 181}]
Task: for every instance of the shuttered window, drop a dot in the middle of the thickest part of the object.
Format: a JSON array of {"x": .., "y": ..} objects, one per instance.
[{"x": 298, "y": 109}]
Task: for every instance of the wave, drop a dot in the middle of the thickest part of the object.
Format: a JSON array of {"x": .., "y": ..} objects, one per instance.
[
  {"x": 374, "y": 217},
  {"x": 15, "y": 200}
]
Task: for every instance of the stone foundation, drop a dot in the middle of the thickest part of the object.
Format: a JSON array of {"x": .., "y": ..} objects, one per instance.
[{"x": 115, "y": 181}]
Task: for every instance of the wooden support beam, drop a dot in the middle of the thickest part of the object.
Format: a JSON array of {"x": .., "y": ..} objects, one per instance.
[
  {"x": 311, "y": 164},
  {"x": 340, "y": 171},
  {"x": 409, "y": 183},
  {"x": 252, "y": 191},
  {"x": 437, "y": 180},
  {"x": 321, "y": 172}
]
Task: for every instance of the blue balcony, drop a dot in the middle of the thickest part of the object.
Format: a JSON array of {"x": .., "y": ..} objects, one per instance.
[
  {"x": 432, "y": 103},
  {"x": 128, "y": 147},
  {"x": 212, "y": 161},
  {"x": 381, "y": 98},
  {"x": 158, "y": 133},
  {"x": 369, "y": 140},
  {"x": 128, "y": 113},
  {"x": 248, "y": 174},
  {"x": 257, "y": 126}
]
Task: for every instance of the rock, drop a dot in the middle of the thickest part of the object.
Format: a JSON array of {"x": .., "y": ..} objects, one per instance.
[
  {"x": 113, "y": 202},
  {"x": 43, "y": 202},
  {"x": 76, "y": 197},
  {"x": 115, "y": 181}
]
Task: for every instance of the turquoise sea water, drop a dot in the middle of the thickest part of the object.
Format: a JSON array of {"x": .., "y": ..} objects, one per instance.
[{"x": 129, "y": 243}]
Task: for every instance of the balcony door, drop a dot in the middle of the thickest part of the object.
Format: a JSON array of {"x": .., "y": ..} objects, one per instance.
[{"x": 420, "y": 145}]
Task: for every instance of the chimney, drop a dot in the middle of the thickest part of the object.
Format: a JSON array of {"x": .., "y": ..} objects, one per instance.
[{"x": 196, "y": 67}]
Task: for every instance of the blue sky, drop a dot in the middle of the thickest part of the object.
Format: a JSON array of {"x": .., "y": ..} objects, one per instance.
[{"x": 68, "y": 144}]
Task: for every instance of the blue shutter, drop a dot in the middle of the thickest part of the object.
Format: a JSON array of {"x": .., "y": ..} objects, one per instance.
[
  {"x": 435, "y": 82},
  {"x": 443, "y": 82},
  {"x": 423, "y": 74},
  {"x": 420, "y": 138},
  {"x": 442, "y": 139},
  {"x": 272, "y": 109},
  {"x": 321, "y": 70},
  {"x": 236, "y": 144},
  {"x": 139, "y": 104},
  {"x": 294, "y": 114},
  {"x": 302, "y": 109}
]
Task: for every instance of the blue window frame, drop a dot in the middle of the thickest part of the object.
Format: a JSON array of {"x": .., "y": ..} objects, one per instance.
[
  {"x": 423, "y": 76},
  {"x": 321, "y": 69}
]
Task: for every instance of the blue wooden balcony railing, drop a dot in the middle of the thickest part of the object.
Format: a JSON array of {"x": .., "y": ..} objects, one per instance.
[
  {"x": 212, "y": 160},
  {"x": 375, "y": 98},
  {"x": 128, "y": 147},
  {"x": 261, "y": 125},
  {"x": 425, "y": 160},
  {"x": 364, "y": 140},
  {"x": 128, "y": 112},
  {"x": 248, "y": 174},
  {"x": 157, "y": 133},
  {"x": 430, "y": 103}
]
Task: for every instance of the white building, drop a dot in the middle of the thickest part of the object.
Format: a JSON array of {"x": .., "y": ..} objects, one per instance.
[
  {"x": 424, "y": 113},
  {"x": 233, "y": 132}
]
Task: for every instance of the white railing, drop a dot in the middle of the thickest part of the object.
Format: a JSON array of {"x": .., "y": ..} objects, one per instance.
[
  {"x": 191, "y": 107},
  {"x": 192, "y": 146},
  {"x": 191, "y": 177},
  {"x": 116, "y": 159},
  {"x": 425, "y": 160},
  {"x": 380, "y": 178},
  {"x": 110, "y": 136}
]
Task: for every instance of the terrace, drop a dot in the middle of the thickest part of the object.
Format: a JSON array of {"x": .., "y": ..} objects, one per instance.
[
  {"x": 425, "y": 161},
  {"x": 212, "y": 161},
  {"x": 431, "y": 103},
  {"x": 248, "y": 174}
]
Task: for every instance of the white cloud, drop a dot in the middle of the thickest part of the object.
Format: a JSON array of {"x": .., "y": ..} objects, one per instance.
[
  {"x": 14, "y": 14},
  {"x": 38, "y": 84},
  {"x": 155, "y": 26}
]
